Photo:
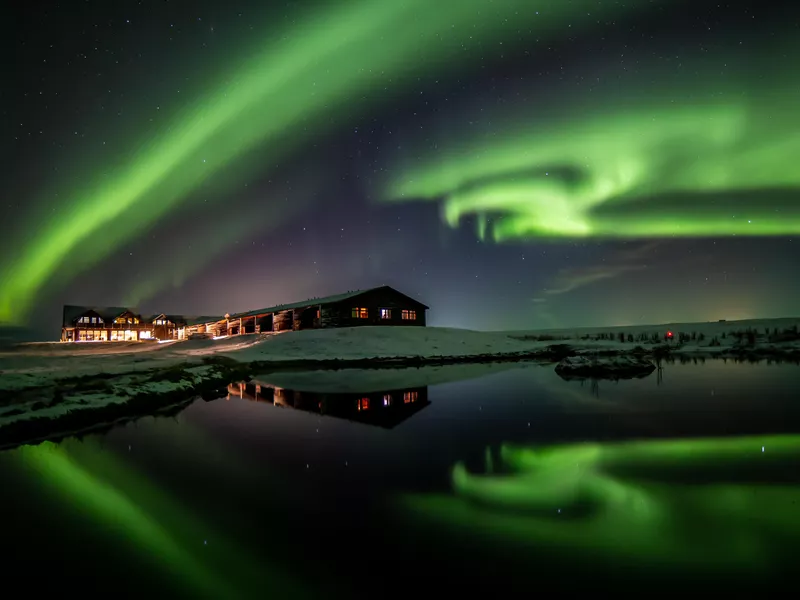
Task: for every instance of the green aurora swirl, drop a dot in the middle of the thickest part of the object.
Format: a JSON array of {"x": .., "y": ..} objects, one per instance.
[{"x": 659, "y": 156}]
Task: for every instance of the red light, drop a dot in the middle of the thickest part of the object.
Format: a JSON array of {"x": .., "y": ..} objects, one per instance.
[{"x": 669, "y": 334}]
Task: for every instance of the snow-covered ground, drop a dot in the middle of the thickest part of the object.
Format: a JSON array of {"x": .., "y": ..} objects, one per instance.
[
  {"x": 29, "y": 365},
  {"x": 708, "y": 329},
  {"x": 48, "y": 380}
]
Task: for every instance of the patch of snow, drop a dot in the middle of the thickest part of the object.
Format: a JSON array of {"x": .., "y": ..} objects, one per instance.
[{"x": 604, "y": 366}]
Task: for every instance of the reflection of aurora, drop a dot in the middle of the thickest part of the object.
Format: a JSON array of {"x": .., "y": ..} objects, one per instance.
[
  {"x": 135, "y": 511},
  {"x": 720, "y": 164},
  {"x": 696, "y": 503}
]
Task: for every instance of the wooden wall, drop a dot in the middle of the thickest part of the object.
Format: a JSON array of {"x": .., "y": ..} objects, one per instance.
[
  {"x": 340, "y": 314},
  {"x": 283, "y": 320}
]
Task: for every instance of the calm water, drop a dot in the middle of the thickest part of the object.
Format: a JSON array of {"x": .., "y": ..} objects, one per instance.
[{"x": 511, "y": 480}]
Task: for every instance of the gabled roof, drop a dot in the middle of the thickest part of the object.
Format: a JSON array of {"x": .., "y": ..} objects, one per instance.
[
  {"x": 177, "y": 319},
  {"x": 108, "y": 313},
  {"x": 324, "y": 300}
]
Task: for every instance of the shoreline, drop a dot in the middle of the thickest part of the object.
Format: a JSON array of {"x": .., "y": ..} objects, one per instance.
[{"x": 88, "y": 403}]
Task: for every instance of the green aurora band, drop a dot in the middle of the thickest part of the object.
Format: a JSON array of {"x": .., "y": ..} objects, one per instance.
[
  {"x": 701, "y": 504},
  {"x": 303, "y": 80},
  {"x": 678, "y": 159}
]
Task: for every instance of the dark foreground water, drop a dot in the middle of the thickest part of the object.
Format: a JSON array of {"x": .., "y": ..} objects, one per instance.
[{"x": 511, "y": 481}]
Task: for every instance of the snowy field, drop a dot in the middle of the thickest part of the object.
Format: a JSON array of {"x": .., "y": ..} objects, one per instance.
[
  {"x": 37, "y": 364},
  {"x": 708, "y": 329},
  {"x": 53, "y": 380}
]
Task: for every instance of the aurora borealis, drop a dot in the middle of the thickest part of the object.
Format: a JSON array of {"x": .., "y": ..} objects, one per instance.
[{"x": 245, "y": 154}]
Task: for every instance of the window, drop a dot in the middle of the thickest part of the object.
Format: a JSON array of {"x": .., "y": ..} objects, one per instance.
[
  {"x": 386, "y": 313},
  {"x": 318, "y": 311},
  {"x": 360, "y": 313},
  {"x": 409, "y": 397},
  {"x": 118, "y": 335},
  {"x": 94, "y": 320},
  {"x": 92, "y": 336},
  {"x": 387, "y": 399},
  {"x": 363, "y": 404},
  {"x": 83, "y": 320},
  {"x": 120, "y": 320},
  {"x": 145, "y": 335},
  {"x": 409, "y": 315}
]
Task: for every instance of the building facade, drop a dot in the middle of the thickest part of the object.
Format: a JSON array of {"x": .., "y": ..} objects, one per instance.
[
  {"x": 376, "y": 306},
  {"x": 116, "y": 324}
]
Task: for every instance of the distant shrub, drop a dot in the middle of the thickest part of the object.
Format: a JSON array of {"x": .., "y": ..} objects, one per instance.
[
  {"x": 621, "y": 337},
  {"x": 701, "y": 336},
  {"x": 714, "y": 342},
  {"x": 630, "y": 338}
]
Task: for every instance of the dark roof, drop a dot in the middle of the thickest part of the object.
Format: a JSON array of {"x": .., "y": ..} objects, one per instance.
[
  {"x": 319, "y": 301},
  {"x": 198, "y": 320},
  {"x": 108, "y": 313},
  {"x": 176, "y": 319}
]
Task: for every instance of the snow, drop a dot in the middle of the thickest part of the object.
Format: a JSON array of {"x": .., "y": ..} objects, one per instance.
[
  {"x": 52, "y": 379},
  {"x": 605, "y": 367},
  {"x": 355, "y": 343},
  {"x": 709, "y": 329}
]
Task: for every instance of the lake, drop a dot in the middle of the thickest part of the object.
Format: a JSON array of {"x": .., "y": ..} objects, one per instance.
[{"x": 462, "y": 479}]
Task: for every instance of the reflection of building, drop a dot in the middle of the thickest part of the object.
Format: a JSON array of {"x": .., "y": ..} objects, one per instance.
[
  {"x": 384, "y": 409},
  {"x": 377, "y": 306}
]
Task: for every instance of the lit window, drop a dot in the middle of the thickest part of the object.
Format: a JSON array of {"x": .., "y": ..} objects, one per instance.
[
  {"x": 386, "y": 313},
  {"x": 409, "y": 315},
  {"x": 387, "y": 399},
  {"x": 318, "y": 313},
  {"x": 145, "y": 335},
  {"x": 363, "y": 404},
  {"x": 409, "y": 397},
  {"x": 360, "y": 313}
]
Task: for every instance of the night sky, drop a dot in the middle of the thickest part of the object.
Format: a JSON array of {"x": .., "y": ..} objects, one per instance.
[{"x": 511, "y": 163}]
